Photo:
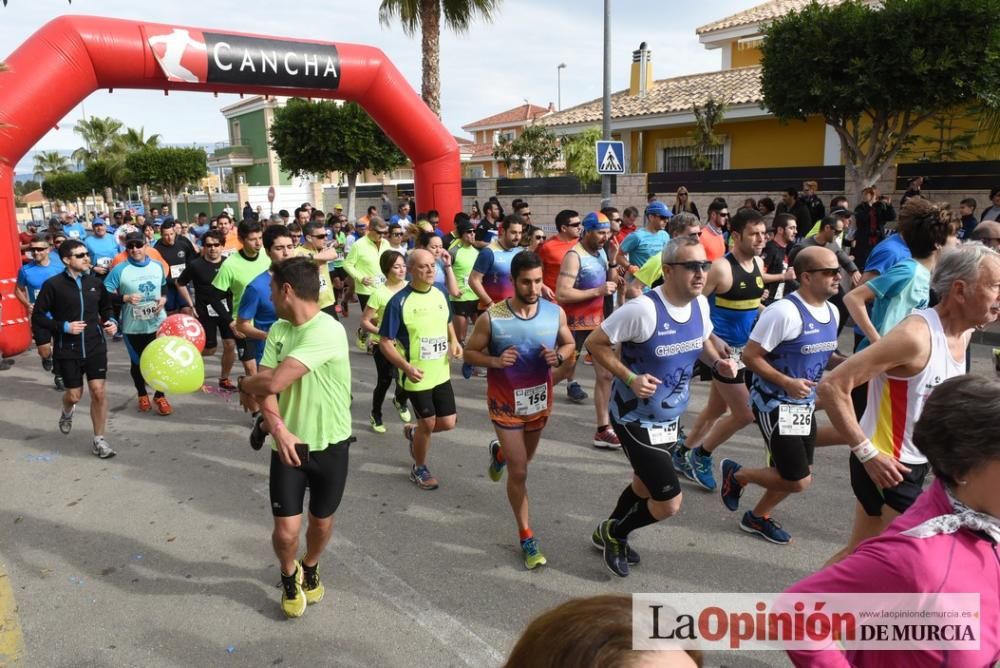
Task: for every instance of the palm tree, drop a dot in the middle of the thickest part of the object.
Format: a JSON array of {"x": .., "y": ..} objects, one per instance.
[
  {"x": 98, "y": 138},
  {"x": 50, "y": 162},
  {"x": 135, "y": 140},
  {"x": 426, "y": 15}
]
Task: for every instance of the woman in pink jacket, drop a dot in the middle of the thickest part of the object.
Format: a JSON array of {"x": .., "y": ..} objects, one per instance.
[{"x": 946, "y": 542}]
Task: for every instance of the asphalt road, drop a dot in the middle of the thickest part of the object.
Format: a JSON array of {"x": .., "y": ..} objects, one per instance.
[{"x": 162, "y": 556}]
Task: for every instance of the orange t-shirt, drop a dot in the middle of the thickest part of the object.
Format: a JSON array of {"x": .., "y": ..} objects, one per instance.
[
  {"x": 714, "y": 244},
  {"x": 232, "y": 244},
  {"x": 151, "y": 252},
  {"x": 552, "y": 251}
]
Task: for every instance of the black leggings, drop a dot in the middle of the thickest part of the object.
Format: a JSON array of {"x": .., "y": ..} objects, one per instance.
[
  {"x": 136, "y": 343},
  {"x": 386, "y": 373}
]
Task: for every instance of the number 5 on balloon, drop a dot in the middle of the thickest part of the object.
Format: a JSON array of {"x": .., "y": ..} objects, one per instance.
[{"x": 179, "y": 353}]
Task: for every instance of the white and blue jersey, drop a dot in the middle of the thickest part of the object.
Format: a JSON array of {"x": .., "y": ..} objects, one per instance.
[
  {"x": 799, "y": 345},
  {"x": 102, "y": 249},
  {"x": 31, "y": 276},
  {"x": 146, "y": 279},
  {"x": 75, "y": 231},
  {"x": 668, "y": 354}
]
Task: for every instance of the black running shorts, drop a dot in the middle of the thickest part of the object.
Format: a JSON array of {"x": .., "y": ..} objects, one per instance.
[
  {"x": 653, "y": 464},
  {"x": 439, "y": 401},
  {"x": 325, "y": 474},
  {"x": 791, "y": 456},
  {"x": 94, "y": 366},
  {"x": 246, "y": 349},
  {"x": 579, "y": 338},
  {"x": 467, "y": 309},
  {"x": 899, "y": 498}
]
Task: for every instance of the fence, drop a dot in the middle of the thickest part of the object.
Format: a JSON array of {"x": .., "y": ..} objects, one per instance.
[
  {"x": 954, "y": 176},
  {"x": 765, "y": 180}
]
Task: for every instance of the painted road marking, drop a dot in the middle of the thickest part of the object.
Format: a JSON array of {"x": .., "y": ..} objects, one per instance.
[{"x": 11, "y": 640}]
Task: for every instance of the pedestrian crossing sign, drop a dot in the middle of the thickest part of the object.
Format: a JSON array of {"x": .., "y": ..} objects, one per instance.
[{"x": 610, "y": 157}]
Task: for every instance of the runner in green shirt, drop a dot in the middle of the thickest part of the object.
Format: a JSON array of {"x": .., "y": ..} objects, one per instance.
[
  {"x": 304, "y": 392},
  {"x": 417, "y": 336},
  {"x": 315, "y": 247},
  {"x": 235, "y": 274},
  {"x": 362, "y": 265},
  {"x": 393, "y": 265},
  {"x": 463, "y": 257}
]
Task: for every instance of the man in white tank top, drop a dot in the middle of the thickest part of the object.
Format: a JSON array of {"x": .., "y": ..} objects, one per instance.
[{"x": 926, "y": 348}]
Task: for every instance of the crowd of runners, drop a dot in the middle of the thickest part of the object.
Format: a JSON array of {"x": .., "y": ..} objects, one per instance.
[{"x": 746, "y": 299}]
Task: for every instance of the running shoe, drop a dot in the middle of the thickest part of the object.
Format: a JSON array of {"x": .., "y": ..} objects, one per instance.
[
  {"x": 257, "y": 435},
  {"x": 341, "y": 310},
  {"x": 732, "y": 490},
  {"x": 118, "y": 337},
  {"x": 376, "y": 425},
  {"x": 423, "y": 478},
  {"x": 293, "y": 598},
  {"x": 404, "y": 412},
  {"x": 766, "y": 528},
  {"x": 311, "y": 585},
  {"x": 467, "y": 370},
  {"x": 631, "y": 556},
  {"x": 533, "y": 556},
  {"x": 479, "y": 372},
  {"x": 575, "y": 393},
  {"x": 227, "y": 385},
  {"x": 361, "y": 339},
  {"x": 496, "y": 466},
  {"x": 59, "y": 383},
  {"x": 588, "y": 359},
  {"x": 701, "y": 467},
  {"x": 682, "y": 436},
  {"x": 613, "y": 550},
  {"x": 606, "y": 439},
  {"x": 408, "y": 430},
  {"x": 47, "y": 364},
  {"x": 679, "y": 457},
  {"x": 163, "y": 406},
  {"x": 144, "y": 404},
  {"x": 102, "y": 449},
  {"x": 6, "y": 364},
  {"x": 66, "y": 421}
]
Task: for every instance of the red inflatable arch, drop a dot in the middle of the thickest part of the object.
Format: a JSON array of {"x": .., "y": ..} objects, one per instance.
[{"x": 72, "y": 56}]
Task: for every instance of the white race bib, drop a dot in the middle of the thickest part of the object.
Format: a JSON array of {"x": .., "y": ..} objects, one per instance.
[
  {"x": 323, "y": 280},
  {"x": 211, "y": 311},
  {"x": 662, "y": 434},
  {"x": 144, "y": 310},
  {"x": 795, "y": 419},
  {"x": 104, "y": 261},
  {"x": 176, "y": 270},
  {"x": 531, "y": 400},
  {"x": 378, "y": 280},
  {"x": 737, "y": 354},
  {"x": 433, "y": 347}
]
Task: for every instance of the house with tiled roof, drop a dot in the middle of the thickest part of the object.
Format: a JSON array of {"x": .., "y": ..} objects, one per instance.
[
  {"x": 486, "y": 132},
  {"x": 655, "y": 118}
]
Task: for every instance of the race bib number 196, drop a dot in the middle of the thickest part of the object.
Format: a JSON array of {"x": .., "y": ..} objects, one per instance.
[{"x": 145, "y": 310}]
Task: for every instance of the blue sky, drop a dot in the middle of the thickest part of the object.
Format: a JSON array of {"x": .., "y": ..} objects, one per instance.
[{"x": 492, "y": 68}]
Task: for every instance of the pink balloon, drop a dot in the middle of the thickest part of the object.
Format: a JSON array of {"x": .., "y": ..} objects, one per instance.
[{"x": 186, "y": 327}]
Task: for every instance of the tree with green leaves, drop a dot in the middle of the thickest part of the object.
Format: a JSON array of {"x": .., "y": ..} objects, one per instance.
[
  {"x": 321, "y": 137},
  {"x": 99, "y": 138},
  {"x": 875, "y": 73},
  {"x": 426, "y": 15},
  {"x": 535, "y": 147},
  {"x": 50, "y": 162},
  {"x": 706, "y": 117},
  {"x": 167, "y": 169},
  {"x": 580, "y": 154},
  {"x": 67, "y": 187}
]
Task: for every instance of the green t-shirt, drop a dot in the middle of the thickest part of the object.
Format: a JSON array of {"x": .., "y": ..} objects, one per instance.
[
  {"x": 462, "y": 260},
  {"x": 325, "y": 285},
  {"x": 237, "y": 272},
  {"x": 651, "y": 271},
  {"x": 338, "y": 243},
  {"x": 418, "y": 323},
  {"x": 378, "y": 301},
  {"x": 316, "y": 407}
]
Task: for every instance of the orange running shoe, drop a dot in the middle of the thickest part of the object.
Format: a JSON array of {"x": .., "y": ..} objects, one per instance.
[
  {"x": 144, "y": 404},
  {"x": 163, "y": 406}
]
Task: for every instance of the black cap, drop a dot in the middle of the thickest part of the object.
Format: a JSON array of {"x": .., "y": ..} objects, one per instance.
[
  {"x": 463, "y": 227},
  {"x": 135, "y": 236}
]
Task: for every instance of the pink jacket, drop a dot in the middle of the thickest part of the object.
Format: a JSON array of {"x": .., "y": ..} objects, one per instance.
[{"x": 962, "y": 562}]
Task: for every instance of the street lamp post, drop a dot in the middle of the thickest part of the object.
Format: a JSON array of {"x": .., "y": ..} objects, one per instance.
[
  {"x": 606, "y": 106},
  {"x": 559, "y": 70}
]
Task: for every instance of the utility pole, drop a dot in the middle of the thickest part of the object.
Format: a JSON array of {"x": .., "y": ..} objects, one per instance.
[{"x": 606, "y": 124}]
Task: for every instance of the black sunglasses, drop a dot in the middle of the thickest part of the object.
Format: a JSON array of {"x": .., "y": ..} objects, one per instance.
[
  {"x": 829, "y": 272},
  {"x": 573, "y": 224},
  {"x": 397, "y": 234},
  {"x": 39, "y": 250},
  {"x": 132, "y": 245},
  {"x": 540, "y": 237},
  {"x": 318, "y": 236},
  {"x": 79, "y": 256},
  {"x": 693, "y": 266}
]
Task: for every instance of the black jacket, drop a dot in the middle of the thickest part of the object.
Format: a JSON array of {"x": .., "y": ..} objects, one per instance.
[{"x": 66, "y": 299}]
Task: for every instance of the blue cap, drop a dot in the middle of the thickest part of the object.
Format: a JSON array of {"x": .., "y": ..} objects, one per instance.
[
  {"x": 658, "y": 208},
  {"x": 595, "y": 220}
]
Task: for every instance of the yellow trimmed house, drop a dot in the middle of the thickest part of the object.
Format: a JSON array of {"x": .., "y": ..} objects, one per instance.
[
  {"x": 486, "y": 132},
  {"x": 655, "y": 117}
]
